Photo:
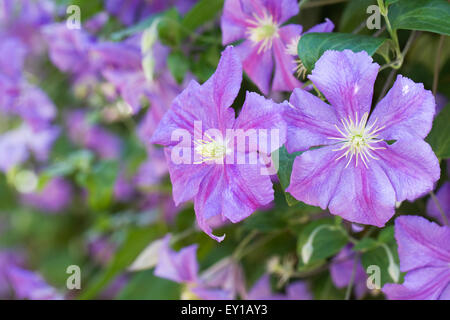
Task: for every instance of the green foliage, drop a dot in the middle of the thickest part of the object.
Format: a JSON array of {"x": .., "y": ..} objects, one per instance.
[
  {"x": 423, "y": 15},
  {"x": 286, "y": 161},
  {"x": 439, "y": 137},
  {"x": 312, "y": 45}
]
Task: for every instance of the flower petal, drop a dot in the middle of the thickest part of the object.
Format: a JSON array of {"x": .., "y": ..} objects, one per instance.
[
  {"x": 247, "y": 189},
  {"x": 421, "y": 243},
  {"x": 282, "y": 10},
  {"x": 327, "y": 26},
  {"x": 225, "y": 83},
  {"x": 407, "y": 109},
  {"x": 310, "y": 122},
  {"x": 411, "y": 166},
  {"x": 422, "y": 284},
  {"x": 443, "y": 197},
  {"x": 283, "y": 80},
  {"x": 233, "y": 22},
  {"x": 258, "y": 66},
  {"x": 259, "y": 113},
  {"x": 185, "y": 178},
  {"x": 346, "y": 79},
  {"x": 179, "y": 266}
]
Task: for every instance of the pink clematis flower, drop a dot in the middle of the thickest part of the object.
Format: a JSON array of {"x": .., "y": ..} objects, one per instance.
[
  {"x": 260, "y": 22},
  {"x": 220, "y": 178},
  {"x": 361, "y": 165}
]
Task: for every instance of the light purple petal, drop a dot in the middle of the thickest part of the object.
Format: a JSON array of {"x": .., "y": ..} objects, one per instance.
[
  {"x": 346, "y": 79},
  {"x": 282, "y": 10},
  {"x": 259, "y": 113},
  {"x": 421, "y": 243},
  {"x": 233, "y": 22},
  {"x": 30, "y": 285},
  {"x": 284, "y": 79},
  {"x": 411, "y": 166},
  {"x": 327, "y": 26},
  {"x": 311, "y": 122},
  {"x": 407, "y": 110},
  {"x": 258, "y": 67},
  {"x": 443, "y": 197},
  {"x": 298, "y": 291},
  {"x": 181, "y": 267},
  {"x": 426, "y": 283}
]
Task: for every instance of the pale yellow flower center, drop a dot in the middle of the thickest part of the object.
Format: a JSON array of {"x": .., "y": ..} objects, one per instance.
[
  {"x": 209, "y": 149},
  {"x": 262, "y": 31},
  {"x": 358, "y": 140}
]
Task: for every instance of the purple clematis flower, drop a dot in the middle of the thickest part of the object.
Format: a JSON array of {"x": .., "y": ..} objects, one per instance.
[
  {"x": 53, "y": 198},
  {"x": 182, "y": 267},
  {"x": 355, "y": 172},
  {"x": 30, "y": 285},
  {"x": 212, "y": 173},
  {"x": 260, "y": 22},
  {"x": 341, "y": 271},
  {"x": 424, "y": 252},
  {"x": 443, "y": 197},
  {"x": 262, "y": 290}
]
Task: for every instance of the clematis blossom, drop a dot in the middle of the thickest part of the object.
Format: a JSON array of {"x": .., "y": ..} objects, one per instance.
[
  {"x": 425, "y": 257},
  {"x": 219, "y": 184},
  {"x": 361, "y": 165},
  {"x": 269, "y": 45}
]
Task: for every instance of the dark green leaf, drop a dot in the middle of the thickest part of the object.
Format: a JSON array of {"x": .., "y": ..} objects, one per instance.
[
  {"x": 178, "y": 65},
  {"x": 203, "y": 11},
  {"x": 324, "y": 239},
  {"x": 365, "y": 245},
  {"x": 423, "y": 15},
  {"x": 439, "y": 137},
  {"x": 286, "y": 161},
  {"x": 312, "y": 45}
]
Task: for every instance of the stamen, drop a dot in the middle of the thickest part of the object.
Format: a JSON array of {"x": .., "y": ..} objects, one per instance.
[
  {"x": 262, "y": 31},
  {"x": 209, "y": 149},
  {"x": 358, "y": 140}
]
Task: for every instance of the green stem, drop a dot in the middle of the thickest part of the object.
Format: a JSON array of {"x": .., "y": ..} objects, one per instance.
[{"x": 348, "y": 293}]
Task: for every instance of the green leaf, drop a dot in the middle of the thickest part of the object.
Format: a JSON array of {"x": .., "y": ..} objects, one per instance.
[
  {"x": 379, "y": 257},
  {"x": 139, "y": 27},
  {"x": 286, "y": 161},
  {"x": 423, "y": 15},
  {"x": 178, "y": 65},
  {"x": 157, "y": 288},
  {"x": 365, "y": 245},
  {"x": 99, "y": 183},
  {"x": 312, "y": 45},
  {"x": 136, "y": 241},
  {"x": 203, "y": 11},
  {"x": 439, "y": 137},
  {"x": 169, "y": 28},
  {"x": 354, "y": 14},
  {"x": 321, "y": 239}
]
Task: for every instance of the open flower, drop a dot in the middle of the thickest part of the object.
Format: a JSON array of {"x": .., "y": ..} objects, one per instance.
[
  {"x": 363, "y": 165},
  {"x": 425, "y": 255},
  {"x": 261, "y": 24},
  {"x": 224, "y": 180}
]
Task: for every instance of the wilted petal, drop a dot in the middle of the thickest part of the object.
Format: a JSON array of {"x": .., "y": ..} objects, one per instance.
[
  {"x": 407, "y": 110},
  {"x": 346, "y": 79}
]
